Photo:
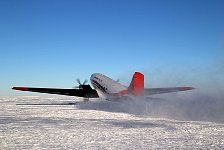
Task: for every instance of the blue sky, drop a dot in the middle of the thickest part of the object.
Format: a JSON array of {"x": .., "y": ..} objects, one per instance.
[{"x": 49, "y": 43}]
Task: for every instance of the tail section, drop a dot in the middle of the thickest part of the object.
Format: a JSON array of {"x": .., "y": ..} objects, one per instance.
[{"x": 137, "y": 84}]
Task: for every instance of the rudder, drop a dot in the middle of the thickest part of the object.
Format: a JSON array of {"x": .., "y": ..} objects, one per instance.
[{"x": 137, "y": 84}]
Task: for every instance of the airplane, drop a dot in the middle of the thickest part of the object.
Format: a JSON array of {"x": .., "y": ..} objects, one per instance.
[{"x": 107, "y": 88}]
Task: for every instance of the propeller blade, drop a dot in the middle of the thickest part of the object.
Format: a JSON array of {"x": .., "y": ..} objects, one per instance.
[
  {"x": 85, "y": 81},
  {"x": 78, "y": 80},
  {"x": 80, "y": 84}
]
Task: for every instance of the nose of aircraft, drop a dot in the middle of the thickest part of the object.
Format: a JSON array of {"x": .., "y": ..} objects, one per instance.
[
  {"x": 92, "y": 76},
  {"x": 92, "y": 79}
]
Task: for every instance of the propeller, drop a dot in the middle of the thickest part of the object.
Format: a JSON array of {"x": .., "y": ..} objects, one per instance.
[
  {"x": 85, "y": 81},
  {"x": 78, "y": 81},
  {"x": 80, "y": 84}
]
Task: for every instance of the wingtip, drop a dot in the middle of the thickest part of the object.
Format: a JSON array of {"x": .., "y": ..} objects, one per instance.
[
  {"x": 20, "y": 88},
  {"x": 187, "y": 88}
]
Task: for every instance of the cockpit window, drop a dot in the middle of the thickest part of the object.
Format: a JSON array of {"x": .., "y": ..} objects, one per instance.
[{"x": 98, "y": 79}]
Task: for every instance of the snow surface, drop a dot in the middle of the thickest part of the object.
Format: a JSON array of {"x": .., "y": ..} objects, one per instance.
[{"x": 98, "y": 125}]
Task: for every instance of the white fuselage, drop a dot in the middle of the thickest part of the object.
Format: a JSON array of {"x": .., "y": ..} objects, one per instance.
[{"x": 105, "y": 86}]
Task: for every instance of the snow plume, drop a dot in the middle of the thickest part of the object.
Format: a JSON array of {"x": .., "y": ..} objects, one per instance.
[
  {"x": 181, "y": 106},
  {"x": 196, "y": 107}
]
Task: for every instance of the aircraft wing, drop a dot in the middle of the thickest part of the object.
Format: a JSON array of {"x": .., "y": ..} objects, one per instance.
[
  {"x": 90, "y": 93},
  {"x": 153, "y": 91}
]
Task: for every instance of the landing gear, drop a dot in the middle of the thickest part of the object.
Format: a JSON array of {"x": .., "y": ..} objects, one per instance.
[{"x": 86, "y": 99}]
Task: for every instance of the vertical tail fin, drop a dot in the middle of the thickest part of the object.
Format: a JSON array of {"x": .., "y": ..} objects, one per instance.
[{"x": 137, "y": 84}]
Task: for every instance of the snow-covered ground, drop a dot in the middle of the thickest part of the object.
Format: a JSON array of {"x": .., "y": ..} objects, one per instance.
[{"x": 98, "y": 125}]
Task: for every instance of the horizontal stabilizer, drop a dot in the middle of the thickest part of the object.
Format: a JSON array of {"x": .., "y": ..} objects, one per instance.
[{"x": 153, "y": 91}]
